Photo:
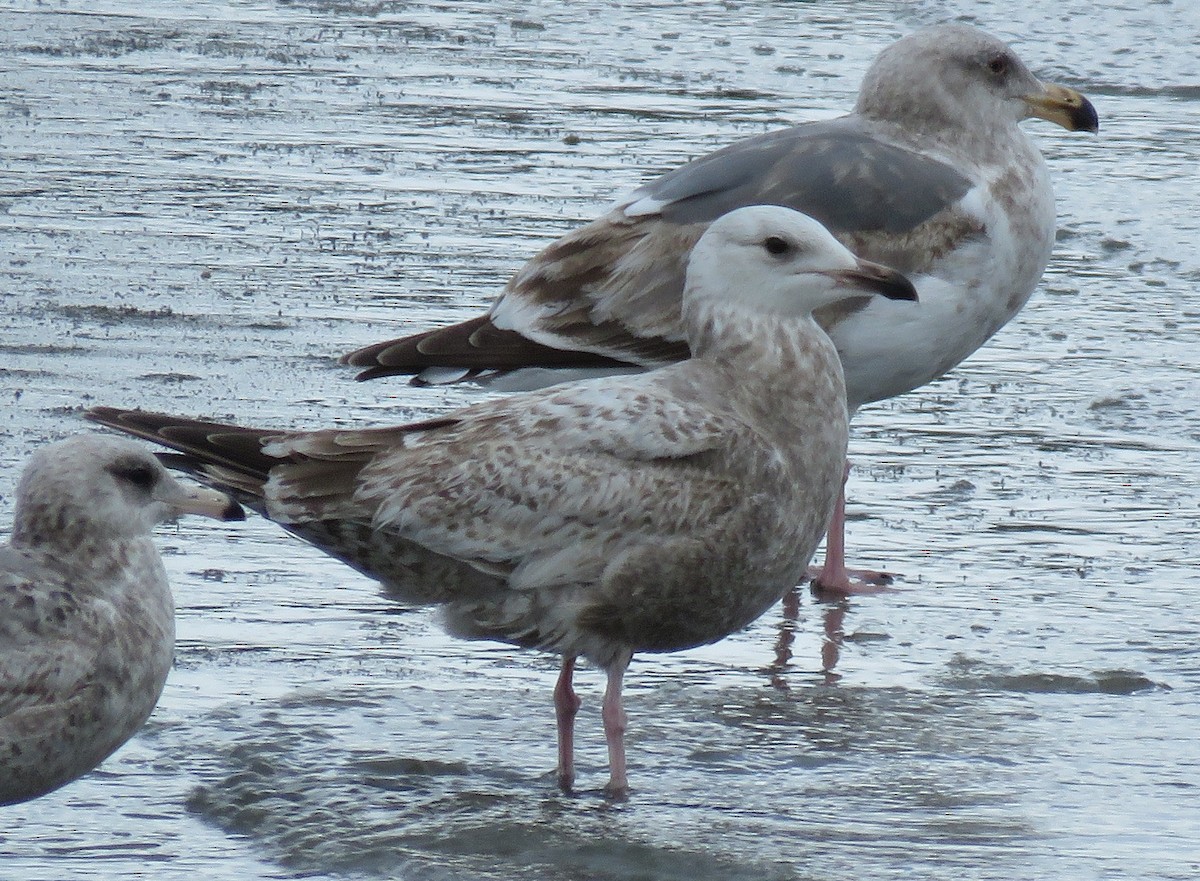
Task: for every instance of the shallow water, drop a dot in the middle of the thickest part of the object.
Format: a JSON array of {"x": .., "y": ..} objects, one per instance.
[{"x": 201, "y": 205}]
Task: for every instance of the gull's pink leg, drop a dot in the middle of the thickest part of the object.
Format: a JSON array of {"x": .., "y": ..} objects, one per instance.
[
  {"x": 566, "y": 705},
  {"x": 615, "y": 723},
  {"x": 834, "y": 577}
]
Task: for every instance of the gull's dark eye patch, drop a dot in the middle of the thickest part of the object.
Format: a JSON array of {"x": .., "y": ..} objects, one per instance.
[
  {"x": 999, "y": 64},
  {"x": 140, "y": 474},
  {"x": 776, "y": 245}
]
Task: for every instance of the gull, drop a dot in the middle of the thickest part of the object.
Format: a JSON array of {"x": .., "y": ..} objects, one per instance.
[
  {"x": 641, "y": 513},
  {"x": 931, "y": 174},
  {"x": 87, "y": 622}
]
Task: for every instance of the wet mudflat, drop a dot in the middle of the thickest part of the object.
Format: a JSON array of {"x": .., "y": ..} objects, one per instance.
[{"x": 202, "y": 204}]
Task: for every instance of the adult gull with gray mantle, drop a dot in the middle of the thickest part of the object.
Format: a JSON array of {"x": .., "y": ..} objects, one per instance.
[
  {"x": 87, "y": 626},
  {"x": 652, "y": 512},
  {"x": 931, "y": 174}
]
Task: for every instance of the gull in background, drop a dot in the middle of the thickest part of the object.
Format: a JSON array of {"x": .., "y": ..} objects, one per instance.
[{"x": 931, "y": 174}]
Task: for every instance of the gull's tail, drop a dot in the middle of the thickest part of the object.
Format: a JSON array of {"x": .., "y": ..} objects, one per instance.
[{"x": 228, "y": 457}]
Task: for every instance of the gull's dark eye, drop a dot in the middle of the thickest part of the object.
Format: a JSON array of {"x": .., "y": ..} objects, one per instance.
[
  {"x": 140, "y": 474},
  {"x": 776, "y": 245},
  {"x": 999, "y": 64}
]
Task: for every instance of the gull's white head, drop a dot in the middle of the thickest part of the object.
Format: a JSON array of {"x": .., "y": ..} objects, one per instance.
[
  {"x": 769, "y": 260},
  {"x": 956, "y": 78},
  {"x": 98, "y": 486}
]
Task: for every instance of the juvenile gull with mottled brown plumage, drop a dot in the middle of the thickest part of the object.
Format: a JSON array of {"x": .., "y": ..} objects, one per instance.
[
  {"x": 640, "y": 513},
  {"x": 931, "y": 174},
  {"x": 87, "y": 627}
]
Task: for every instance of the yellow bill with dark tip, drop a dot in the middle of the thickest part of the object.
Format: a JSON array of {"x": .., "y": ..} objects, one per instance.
[{"x": 1064, "y": 106}]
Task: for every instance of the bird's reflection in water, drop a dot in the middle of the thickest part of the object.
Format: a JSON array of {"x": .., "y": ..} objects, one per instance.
[{"x": 833, "y": 615}]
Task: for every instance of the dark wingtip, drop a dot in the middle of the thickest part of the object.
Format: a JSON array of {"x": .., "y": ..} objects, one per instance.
[
  {"x": 103, "y": 415},
  {"x": 398, "y": 357},
  {"x": 364, "y": 357},
  {"x": 478, "y": 347},
  {"x": 379, "y": 372}
]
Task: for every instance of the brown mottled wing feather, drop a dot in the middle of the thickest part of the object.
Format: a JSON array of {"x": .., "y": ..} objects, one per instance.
[
  {"x": 564, "y": 472},
  {"x": 558, "y": 464},
  {"x": 610, "y": 291}
]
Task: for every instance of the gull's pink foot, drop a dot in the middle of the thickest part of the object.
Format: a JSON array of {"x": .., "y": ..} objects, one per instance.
[
  {"x": 834, "y": 578},
  {"x": 842, "y": 582}
]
